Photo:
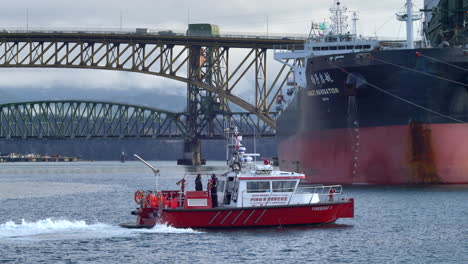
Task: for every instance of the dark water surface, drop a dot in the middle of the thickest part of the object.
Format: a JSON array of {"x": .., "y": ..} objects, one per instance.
[{"x": 69, "y": 212}]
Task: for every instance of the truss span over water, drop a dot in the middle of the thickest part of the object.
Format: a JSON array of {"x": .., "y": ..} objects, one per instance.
[{"x": 73, "y": 119}]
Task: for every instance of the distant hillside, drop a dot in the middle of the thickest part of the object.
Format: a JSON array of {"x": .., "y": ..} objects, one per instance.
[
  {"x": 144, "y": 97},
  {"x": 134, "y": 96}
]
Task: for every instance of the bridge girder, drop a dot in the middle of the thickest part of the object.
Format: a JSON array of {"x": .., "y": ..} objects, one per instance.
[
  {"x": 72, "y": 119},
  {"x": 165, "y": 57}
]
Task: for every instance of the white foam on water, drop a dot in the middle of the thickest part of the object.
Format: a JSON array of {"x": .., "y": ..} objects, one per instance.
[
  {"x": 162, "y": 228},
  {"x": 51, "y": 227},
  {"x": 76, "y": 229}
]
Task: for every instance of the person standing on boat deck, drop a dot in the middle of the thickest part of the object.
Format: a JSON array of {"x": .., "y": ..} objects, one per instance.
[
  {"x": 214, "y": 190},
  {"x": 198, "y": 183}
]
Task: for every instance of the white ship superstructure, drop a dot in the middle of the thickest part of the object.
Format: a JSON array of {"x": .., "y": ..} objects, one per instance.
[{"x": 339, "y": 41}]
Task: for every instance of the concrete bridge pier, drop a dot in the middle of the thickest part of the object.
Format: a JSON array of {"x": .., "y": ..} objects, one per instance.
[{"x": 192, "y": 153}]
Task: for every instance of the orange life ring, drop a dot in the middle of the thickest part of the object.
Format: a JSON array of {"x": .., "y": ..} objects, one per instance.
[{"x": 138, "y": 196}]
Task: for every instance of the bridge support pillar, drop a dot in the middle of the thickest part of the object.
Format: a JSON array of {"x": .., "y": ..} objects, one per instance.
[
  {"x": 192, "y": 153},
  {"x": 202, "y": 105}
]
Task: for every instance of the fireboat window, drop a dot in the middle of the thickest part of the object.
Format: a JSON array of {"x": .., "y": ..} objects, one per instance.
[
  {"x": 284, "y": 186},
  {"x": 221, "y": 186},
  {"x": 254, "y": 187}
]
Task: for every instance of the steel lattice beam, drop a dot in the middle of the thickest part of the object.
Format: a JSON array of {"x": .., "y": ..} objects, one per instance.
[{"x": 107, "y": 120}]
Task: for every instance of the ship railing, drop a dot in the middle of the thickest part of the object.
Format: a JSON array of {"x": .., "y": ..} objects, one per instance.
[
  {"x": 288, "y": 48},
  {"x": 300, "y": 195}
]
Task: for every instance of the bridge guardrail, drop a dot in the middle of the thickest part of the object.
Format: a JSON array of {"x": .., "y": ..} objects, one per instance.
[{"x": 154, "y": 32}]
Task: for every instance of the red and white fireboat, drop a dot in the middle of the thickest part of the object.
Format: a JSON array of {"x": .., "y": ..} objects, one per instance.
[{"x": 248, "y": 195}]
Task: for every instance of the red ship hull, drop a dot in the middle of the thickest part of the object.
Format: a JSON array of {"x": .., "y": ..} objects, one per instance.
[
  {"x": 407, "y": 154},
  {"x": 322, "y": 213}
]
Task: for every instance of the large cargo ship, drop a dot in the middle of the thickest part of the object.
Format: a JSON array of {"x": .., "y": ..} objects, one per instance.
[{"x": 363, "y": 111}]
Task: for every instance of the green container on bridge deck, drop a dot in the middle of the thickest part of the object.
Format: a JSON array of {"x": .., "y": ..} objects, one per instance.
[{"x": 203, "y": 30}]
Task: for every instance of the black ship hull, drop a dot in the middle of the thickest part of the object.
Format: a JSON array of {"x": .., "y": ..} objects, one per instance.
[{"x": 383, "y": 117}]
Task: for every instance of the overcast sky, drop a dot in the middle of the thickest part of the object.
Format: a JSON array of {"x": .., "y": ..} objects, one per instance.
[{"x": 377, "y": 17}]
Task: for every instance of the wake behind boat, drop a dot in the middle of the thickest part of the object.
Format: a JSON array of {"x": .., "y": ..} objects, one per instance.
[{"x": 247, "y": 195}]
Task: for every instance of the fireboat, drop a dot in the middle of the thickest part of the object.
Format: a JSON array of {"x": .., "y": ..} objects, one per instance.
[{"x": 247, "y": 195}]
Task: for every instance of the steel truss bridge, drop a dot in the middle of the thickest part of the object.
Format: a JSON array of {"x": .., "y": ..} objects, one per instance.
[
  {"x": 212, "y": 66},
  {"x": 73, "y": 119}
]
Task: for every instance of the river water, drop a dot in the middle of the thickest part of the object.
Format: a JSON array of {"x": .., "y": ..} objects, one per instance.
[{"x": 69, "y": 213}]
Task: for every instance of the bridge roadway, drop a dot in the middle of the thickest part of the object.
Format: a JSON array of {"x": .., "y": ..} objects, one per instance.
[
  {"x": 72, "y": 119},
  {"x": 171, "y": 38}
]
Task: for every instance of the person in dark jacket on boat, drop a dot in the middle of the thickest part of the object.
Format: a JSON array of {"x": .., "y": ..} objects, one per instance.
[
  {"x": 198, "y": 183},
  {"x": 214, "y": 190}
]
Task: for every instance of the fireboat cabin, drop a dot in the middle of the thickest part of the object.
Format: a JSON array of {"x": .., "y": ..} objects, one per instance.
[{"x": 261, "y": 187}]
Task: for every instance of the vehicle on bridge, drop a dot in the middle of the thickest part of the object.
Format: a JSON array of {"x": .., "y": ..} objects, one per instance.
[
  {"x": 203, "y": 30},
  {"x": 141, "y": 31},
  {"x": 167, "y": 33}
]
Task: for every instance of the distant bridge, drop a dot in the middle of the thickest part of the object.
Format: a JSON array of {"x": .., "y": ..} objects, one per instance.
[{"x": 73, "y": 119}]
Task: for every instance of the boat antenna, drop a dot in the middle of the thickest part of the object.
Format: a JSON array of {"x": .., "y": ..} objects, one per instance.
[
  {"x": 255, "y": 144},
  {"x": 409, "y": 24},
  {"x": 339, "y": 18},
  {"x": 355, "y": 20},
  {"x": 409, "y": 17},
  {"x": 229, "y": 140},
  {"x": 155, "y": 171}
]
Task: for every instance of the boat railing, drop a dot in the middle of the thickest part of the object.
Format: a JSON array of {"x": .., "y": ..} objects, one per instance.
[
  {"x": 324, "y": 193},
  {"x": 302, "y": 195}
]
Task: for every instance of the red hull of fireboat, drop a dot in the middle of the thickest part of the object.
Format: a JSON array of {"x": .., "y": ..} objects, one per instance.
[{"x": 309, "y": 214}]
